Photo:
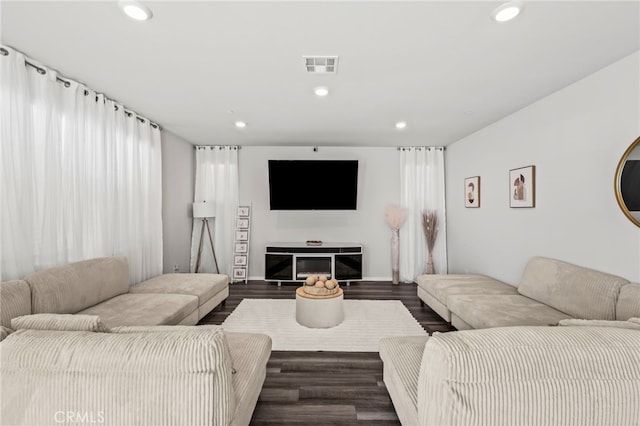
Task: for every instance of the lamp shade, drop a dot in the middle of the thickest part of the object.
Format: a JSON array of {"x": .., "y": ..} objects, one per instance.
[{"x": 204, "y": 209}]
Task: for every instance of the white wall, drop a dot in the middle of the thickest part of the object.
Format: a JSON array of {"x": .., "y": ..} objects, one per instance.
[
  {"x": 178, "y": 174},
  {"x": 575, "y": 138},
  {"x": 378, "y": 185}
]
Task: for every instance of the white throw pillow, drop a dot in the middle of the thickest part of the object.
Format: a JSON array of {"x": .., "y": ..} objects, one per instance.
[
  {"x": 601, "y": 323},
  {"x": 59, "y": 322}
]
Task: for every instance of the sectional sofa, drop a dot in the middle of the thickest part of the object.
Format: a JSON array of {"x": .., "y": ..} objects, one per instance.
[
  {"x": 80, "y": 346},
  {"x": 550, "y": 290},
  {"x": 101, "y": 287},
  {"x": 561, "y": 348},
  {"x": 581, "y": 373}
]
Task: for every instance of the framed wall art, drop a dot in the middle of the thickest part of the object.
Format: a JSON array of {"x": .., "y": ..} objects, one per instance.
[
  {"x": 239, "y": 274},
  {"x": 241, "y": 244},
  {"x": 472, "y": 192},
  {"x": 522, "y": 187},
  {"x": 240, "y": 260}
]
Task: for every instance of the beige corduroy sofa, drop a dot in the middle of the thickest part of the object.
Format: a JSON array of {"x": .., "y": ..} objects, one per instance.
[
  {"x": 158, "y": 375},
  {"x": 582, "y": 373},
  {"x": 101, "y": 287},
  {"x": 550, "y": 290}
]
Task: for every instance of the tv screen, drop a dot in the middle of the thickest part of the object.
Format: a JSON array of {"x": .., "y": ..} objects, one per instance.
[{"x": 313, "y": 184}]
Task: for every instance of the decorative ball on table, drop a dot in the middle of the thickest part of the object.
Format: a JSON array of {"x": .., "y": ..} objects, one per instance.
[
  {"x": 311, "y": 280},
  {"x": 321, "y": 287}
]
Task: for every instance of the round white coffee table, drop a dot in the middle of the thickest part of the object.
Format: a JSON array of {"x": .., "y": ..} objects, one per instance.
[{"x": 319, "y": 311}]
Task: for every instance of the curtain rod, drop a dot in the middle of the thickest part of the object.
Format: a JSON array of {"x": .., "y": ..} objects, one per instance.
[
  {"x": 218, "y": 146},
  {"x": 428, "y": 148},
  {"x": 67, "y": 83}
]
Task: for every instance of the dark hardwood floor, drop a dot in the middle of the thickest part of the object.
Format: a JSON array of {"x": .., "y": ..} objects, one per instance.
[{"x": 326, "y": 388}]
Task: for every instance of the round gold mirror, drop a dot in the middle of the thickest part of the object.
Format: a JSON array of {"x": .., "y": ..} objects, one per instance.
[{"x": 627, "y": 182}]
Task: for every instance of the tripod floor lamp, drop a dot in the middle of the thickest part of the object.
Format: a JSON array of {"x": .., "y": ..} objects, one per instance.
[{"x": 203, "y": 210}]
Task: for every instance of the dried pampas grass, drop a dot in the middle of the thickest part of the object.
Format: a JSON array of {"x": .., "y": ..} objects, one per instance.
[
  {"x": 395, "y": 215},
  {"x": 430, "y": 228}
]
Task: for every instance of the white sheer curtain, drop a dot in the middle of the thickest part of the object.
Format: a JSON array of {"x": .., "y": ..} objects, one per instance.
[
  {"x": 216, "y": 181},
  {"x": 79, "y": 176},
  {"x": 422, "y": 188}
]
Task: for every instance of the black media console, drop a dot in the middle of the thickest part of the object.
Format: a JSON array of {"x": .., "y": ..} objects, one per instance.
[{"x": 288, "y": 262}]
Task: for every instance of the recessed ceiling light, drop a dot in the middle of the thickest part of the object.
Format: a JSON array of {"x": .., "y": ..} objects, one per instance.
[
  {"x": 135, "y": 10},
  {"x": 321, "y": 91},
  {"x": 507, "y": 11},
  {"x": 401, "y": 125},
  {"x": 240, "y": 124}
]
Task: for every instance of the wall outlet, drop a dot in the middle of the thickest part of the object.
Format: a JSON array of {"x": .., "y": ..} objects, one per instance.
[{"x": 176, "y": 268}]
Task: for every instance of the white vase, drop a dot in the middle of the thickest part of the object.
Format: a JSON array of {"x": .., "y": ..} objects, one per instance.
[{"x": 395, "y": 256}]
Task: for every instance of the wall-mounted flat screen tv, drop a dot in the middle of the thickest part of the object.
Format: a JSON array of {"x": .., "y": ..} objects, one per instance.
[{"x": 313, "y": 184}]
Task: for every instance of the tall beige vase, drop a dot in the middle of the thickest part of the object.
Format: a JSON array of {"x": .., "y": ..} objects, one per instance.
[
  {"x": 395, "y": 256},
  {"x": 430, "y": 268}
]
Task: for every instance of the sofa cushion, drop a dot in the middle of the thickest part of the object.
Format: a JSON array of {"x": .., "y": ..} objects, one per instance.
[
  {"x": 125, "y": 379},
  {"x": 531, "y": 376},
  {"x": 446, "y": 285},
  {"x": 402, "y": 357},
  {"x": 171, "y": 329},
  {"x": 76, "y": 286},
  {"x": 250, "y": 352},
  {"x": 15, "y": 300},
  {"x": 580, "y": 292},
  {"x": 59, "y": 322},
  {"x": 488, "y": 311},
  {"x": 144, "y": 309},
  {"x": 628, "y": 302},
  {"x": 204, "y": 286}
]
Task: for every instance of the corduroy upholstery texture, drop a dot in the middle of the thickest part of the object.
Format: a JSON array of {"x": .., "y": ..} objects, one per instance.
[
  {"x": 71, "y": 288},
  {"x": 4, "y": 332},
  {"x": 503, "y": 310},
  {"x": 628, "y": 305},
  {"x": 402, "y": 357},
  {"x": 550, "y": 290},
  {"x": 145, "y": 309},
  {"x": 582, "y": 376},
  {"x": 248, "y": 354},
  {"x": 15, "y": 300},
  {"x": 58, "y": 322},
  {"x": 210, "y": 289},
  {"x": 575, "y": 290},
  {"x": 117, "y": 378},
  {"x": 633, "y": 323}
]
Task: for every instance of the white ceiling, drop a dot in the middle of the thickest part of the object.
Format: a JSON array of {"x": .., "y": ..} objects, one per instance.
[{"x": 444, "y": 67}]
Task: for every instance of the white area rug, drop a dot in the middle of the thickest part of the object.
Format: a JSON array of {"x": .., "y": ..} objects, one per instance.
[{"x": 365, "y": 323}]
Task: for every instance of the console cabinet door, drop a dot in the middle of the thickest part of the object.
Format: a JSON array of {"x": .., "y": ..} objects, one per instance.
[
  {"x": 348, "y": 266},
  {"x": 278, "y": 267}
]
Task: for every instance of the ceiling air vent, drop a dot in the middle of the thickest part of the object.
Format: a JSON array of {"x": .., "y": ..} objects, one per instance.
[{"x": 321, "y": 64}]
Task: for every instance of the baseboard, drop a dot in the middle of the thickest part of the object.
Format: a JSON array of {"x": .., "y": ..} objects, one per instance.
[{"x": 364, "y": 279}]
